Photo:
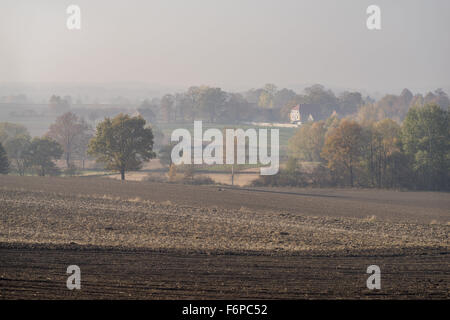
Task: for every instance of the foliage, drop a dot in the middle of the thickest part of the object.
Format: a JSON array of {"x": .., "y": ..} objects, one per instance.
[
  {"x": 426, "y": 140},
  {"x": 72, "y": 133},
  {"x": 122, "y": 143},
  {"x": 342, "y": 150},
  {"x": 9, "y": 131},
  {"x": 308, "y": 141},
  {"x": 41, "y": 154},
  {"x": 17, "y": 149},
  {"x": 4, "y": 162}
]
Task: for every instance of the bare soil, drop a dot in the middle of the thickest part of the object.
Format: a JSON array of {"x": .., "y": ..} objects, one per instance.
[{"x": 144, "y": 240}]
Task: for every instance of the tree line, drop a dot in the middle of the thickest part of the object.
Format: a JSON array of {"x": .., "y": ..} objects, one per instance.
[
  {"x": 272, "y": 104},
  {"x": 370, "y": 153},
  {"x": 265, "y": 104},
  {"x": 120, "y": 144}
]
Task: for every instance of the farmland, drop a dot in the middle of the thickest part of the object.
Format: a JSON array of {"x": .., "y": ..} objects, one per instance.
[{"x": 145, "y": 240}]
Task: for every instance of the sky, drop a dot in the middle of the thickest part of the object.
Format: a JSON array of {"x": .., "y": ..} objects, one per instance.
[{"x": 233, "y": 44}]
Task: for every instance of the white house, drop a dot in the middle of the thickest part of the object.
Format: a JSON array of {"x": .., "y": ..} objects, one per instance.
[{"x": 295, "y": 114}]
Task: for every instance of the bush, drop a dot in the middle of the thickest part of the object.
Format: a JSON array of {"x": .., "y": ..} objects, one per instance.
[
  {"x": 282, "y": 179},
  {"x": 199, "y": 180}
]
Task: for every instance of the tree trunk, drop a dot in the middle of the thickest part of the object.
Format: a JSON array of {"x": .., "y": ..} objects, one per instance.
[
  {"x": 67, "y": 159},
  {"x": 122, "y": 174},
  {"x": 351, "y": 176}
]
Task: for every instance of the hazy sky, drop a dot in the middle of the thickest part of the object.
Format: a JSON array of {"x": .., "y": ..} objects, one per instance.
[{"x": 228, "y": 43}]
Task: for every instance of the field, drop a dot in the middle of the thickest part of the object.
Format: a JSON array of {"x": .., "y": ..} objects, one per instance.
[{"x": 145, "y": 240}]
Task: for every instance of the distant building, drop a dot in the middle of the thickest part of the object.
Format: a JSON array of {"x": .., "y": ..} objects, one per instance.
[
  {"x": 304, "y": 113},
  {"x": 295, "y": 114}
]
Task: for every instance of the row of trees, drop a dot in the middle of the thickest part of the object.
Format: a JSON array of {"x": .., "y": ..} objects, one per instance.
[
  {"x": 37, "y": 155},
  {"x": 381, "y": 153},
  {"x": 272, "y": 104},
  {"x": 263, "y": 104},
  {"x": 120, "y": 144},
  {"x": 68, "y": 136}
]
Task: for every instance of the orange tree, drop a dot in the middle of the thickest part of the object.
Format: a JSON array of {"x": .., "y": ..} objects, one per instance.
[{"x": 342, "y": 149}]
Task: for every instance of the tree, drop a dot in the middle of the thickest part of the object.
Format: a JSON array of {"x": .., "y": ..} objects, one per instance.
[
  {"x": 17, "y": 149},
  {"x": 59, "y": 105},
  {"x": 381, "y": 145},
  {"x": 4, "y": 163},
  {"x": 307, "y": 143},
  {"x": 283, "y": 97},
  {"x": 426, "y": 140},
  {"x": 349, "y": 102},
  {"x": 148, "y": 111},
  {"x": 211, "y": 102},
  {"x": 70, "y": 132},
  {"x": 42, "y": 153},
  {"x": 122, "y": 143},
  {"x": 342, "y": 148},
  {"x": 167, "y": 108},
  {"x": 11, "y": 130},
  {"x": 81, "y": 146}
]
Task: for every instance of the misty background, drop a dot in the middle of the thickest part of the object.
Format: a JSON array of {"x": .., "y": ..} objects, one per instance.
[{"x": 141, "y": 49}]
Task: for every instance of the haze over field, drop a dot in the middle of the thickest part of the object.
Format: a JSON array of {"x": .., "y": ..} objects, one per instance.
[{"x": 232, "y": 44}]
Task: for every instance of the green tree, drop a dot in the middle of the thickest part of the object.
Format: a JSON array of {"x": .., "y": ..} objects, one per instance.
[
  {"x": 426, "y": 140},
  {"x": 17, "y": 149},
  {"x": 211, "y": 103},
  {"x": 308, "y": 141},
  {"x": 4, "y": 163},
  {"x": 41, "y": 155},
  {"x": 122, "y": 143}
]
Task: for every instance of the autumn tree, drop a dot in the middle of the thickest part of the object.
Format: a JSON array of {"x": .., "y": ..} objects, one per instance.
[
  {"x": 342, "y": 148},
  {"x": 122, "y": 143},
  {"x": 71, "y": 133}
]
